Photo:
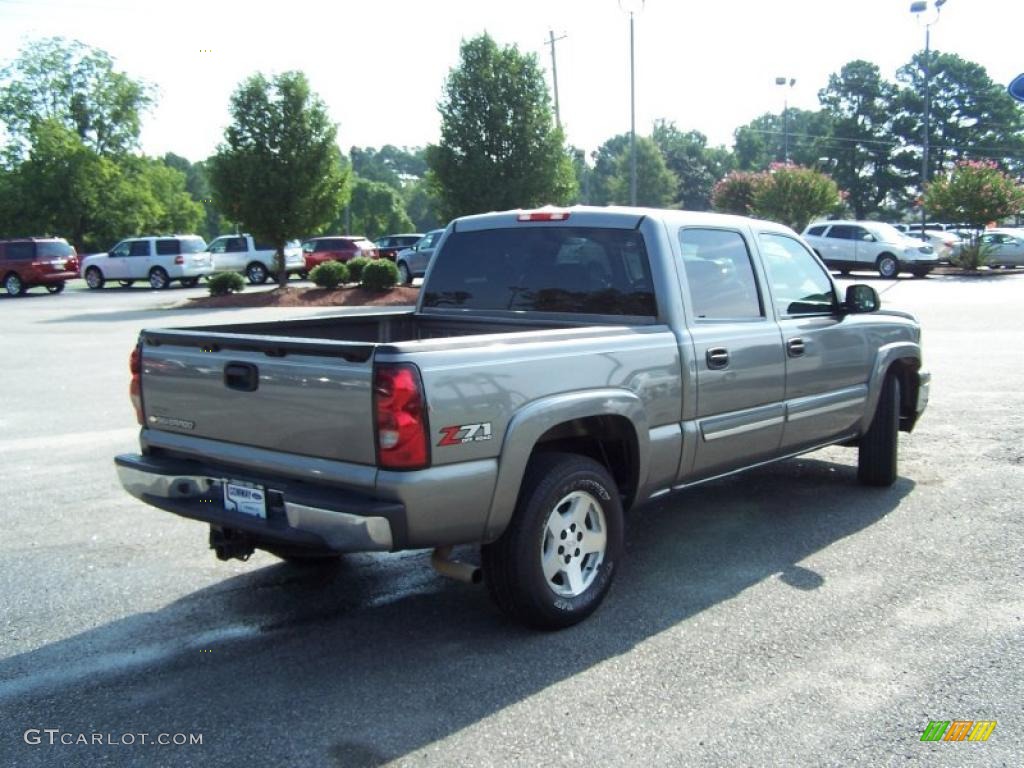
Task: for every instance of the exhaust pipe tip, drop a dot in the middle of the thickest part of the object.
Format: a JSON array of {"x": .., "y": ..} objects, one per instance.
[{"x": 440, "y": 560}]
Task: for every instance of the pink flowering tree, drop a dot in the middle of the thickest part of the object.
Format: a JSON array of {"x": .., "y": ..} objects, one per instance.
[
  {"x": 735, "y": 192},
  {"x": 793, "y": 195},
  {"x": 975, "y": 192}
]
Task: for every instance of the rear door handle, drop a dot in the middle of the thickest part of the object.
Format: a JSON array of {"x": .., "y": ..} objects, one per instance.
[
  {"x": 245, "y": 377},
  {"x": 795, "y": 347},
  {"x": 718, "y": 358}
]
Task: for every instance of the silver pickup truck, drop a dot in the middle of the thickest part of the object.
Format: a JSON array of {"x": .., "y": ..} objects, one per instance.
[{"x": 560, "y": 367}]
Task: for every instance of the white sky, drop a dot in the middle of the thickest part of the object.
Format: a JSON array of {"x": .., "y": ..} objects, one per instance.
[{"x": 708, "y": 65}]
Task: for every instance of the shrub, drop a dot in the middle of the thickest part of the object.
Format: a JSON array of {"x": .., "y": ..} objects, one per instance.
[
  {"x": 735, "y": 193},
  {"x": 380, "y": 275},
  {"x": 330, "y": 274},
  {"x": 975, "y": 192},
  {"x": 355, "y": 268},
  {"x": 793, "y": 195},
  {"x": 224, "y": 283}
]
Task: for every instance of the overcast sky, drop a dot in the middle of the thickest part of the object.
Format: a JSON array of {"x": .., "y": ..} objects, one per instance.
[{"x": 379, "y": 65}]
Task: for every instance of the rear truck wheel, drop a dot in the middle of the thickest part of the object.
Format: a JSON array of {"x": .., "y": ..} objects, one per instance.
[
  {"x": 14, "y": 285},
  {"x": 190, "y": 282},
  {"x": 126, "y": 283},
  {"x": 256, "y": 273},
  {"x": 55, "y": 287},
  {"x": 94, "y": 278},
  {"x": 888, "y": 265},
  {"x": 877, "y": 455},
  {"x": 404, "y": 275},
  {"x": 555, "y": 562},
  {"x": 158, "y": 278}
]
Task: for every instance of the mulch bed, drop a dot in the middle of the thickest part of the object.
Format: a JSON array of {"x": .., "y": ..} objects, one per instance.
[{"x": 307, "y": 297}]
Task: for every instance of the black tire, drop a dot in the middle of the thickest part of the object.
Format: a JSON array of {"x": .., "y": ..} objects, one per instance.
[
  {"x": 158, "y": 279},
  {"x": 14, "y": 285},
  {"x": 257, "y": 273},
  {"x": 921, "y": 273},
  {"x": 126, "y": 283},
  {"x": 190, "y": 282},
  {"x": 94, "y": 278},
  {"x": 888, "y": 266},
  {"x": 55, "y": 287},
  {"x": 878, "y": 454},
  {"x": 404, "y": 275},
  {"x": 512, "y": 565}
]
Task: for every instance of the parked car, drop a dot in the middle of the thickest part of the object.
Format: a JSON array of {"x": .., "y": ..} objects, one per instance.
[
  {"x": 560, "y": 368},
  {"x": 389, "y": 245},
  {"x": 849, "y": 245},
  {"x": 158, "y": 260},
  {"x": 1003, "y": 247},
  {"x": 947, "y": 244},
  {"x": 413, "y": 262},
  {"x": 317, "y": 250},
  {"x": 30, "y": 261},
  {"x": 241, "y": 253}
]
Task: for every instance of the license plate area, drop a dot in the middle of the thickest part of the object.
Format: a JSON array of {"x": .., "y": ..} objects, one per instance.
[{"x": 245, "y": 498}]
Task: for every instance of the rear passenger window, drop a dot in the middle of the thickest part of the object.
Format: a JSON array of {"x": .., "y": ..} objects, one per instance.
[
  {"x": 842, "y": 232},
  {"x": 817, "y": 231},
  {"x": 719, "y": 275},
  {"x": 798, "y": 282},
  {"x": 168, "y": 248},
  {"x": 20, "y": 251},
  {"x": 139, "y": 248}
]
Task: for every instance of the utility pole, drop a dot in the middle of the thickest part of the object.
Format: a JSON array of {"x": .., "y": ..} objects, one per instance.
[{"x": 554, "y": 71}]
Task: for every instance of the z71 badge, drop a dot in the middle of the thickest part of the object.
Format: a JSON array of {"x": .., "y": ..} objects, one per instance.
[{"x": 465, "y": 433}]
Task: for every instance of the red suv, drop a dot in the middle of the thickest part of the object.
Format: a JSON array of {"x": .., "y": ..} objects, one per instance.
[
  {"x": 26, "y": 262},
  {"x": 317, "y": 250}
]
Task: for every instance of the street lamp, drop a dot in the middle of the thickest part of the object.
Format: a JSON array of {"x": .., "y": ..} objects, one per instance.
[
  {"x": 918, "y": 9},
  {"x": 785, "y": 114},
  {"x": 632, "y": 7}
]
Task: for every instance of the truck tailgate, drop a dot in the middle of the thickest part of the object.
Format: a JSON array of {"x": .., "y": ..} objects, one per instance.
[{"x": 307, "y": 398}]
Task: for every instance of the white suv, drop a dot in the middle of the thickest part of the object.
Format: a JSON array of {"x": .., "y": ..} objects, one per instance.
[
  {"x": 850, "y": 245},
  {"x": 240, "y": 253},
  {"x": 158, "y": 260}
]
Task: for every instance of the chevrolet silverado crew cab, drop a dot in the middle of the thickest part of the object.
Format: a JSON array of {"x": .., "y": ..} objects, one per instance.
[{"x": 560, "y": 368}]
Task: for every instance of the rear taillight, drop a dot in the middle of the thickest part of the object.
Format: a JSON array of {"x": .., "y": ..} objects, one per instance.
[
  {"x": 401, "y": 417},
  {"x": 135, "y": 388},
  {"x": 179, "y": 259}
]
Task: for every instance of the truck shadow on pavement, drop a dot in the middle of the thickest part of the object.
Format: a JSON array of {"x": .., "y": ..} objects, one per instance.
[{"x": 376, "y": 657}]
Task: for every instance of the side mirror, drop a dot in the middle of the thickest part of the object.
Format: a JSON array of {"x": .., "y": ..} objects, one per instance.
[{"x": 861, "y": 298}]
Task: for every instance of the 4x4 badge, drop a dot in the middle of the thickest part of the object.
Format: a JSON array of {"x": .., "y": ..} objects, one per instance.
[{"x": 465, "y": 433}]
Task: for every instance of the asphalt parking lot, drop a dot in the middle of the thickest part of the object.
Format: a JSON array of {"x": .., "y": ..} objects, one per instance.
[{"x": 785, "y": 617}]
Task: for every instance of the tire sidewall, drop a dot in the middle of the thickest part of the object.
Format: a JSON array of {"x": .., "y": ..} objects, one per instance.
[
  {"x": 158, "y": 279},
  {"x": 538, "y": 508},
  {"x": 882, "y": 260},
  {"x": 13, "y": 285}
]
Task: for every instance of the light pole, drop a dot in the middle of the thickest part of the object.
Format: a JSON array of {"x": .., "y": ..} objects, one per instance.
[
  {"x": 632, "y": 7},
  {"x": 785, "y": 115},
  {"x": 918, "y": 9}
]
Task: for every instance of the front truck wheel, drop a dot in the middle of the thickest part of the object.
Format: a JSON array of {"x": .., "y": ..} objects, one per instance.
[
  {"x": 877, "y": 455},
  {"x": 555, "y": 562}
]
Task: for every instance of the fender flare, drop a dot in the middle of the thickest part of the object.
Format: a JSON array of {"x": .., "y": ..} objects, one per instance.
[
  {"x": 534, "y": 419},
  {"x": 886, "y": 355}
]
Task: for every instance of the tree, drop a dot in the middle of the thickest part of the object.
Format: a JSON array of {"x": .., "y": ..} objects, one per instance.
[
  {"x": 762, "y": 141},
  {"x": 197, "y": 182},
  {"x": 76, "y": 86},
  {"x": 696, "y": 166},
  {"x": 278, "y": 171},
  {"x": 376, "y": 209},
  {"x": 976, "y": 192},
  {"x": 793, "y": 195},
  {"x": 860, "y": 104},
  {"x": 655, "y": 183},
  {"x": 421, "y": 205},
  {"x": 735, "y": 192},
  {"x": 606, "y": 162},
  {"x": 391, "y": 165},
  {"x": 499, "y": 146}
]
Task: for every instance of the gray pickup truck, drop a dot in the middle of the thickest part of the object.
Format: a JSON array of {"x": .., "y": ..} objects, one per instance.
[{"x": 560, "y": 368}]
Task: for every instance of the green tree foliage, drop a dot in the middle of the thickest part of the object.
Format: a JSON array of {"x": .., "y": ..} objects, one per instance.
[
  {"x": 606, "y": 162},
  {"x": 860, "y": 105},
  {"x": 499, "y": 146},
  {"x": 655, "y": 184},
  {"x": 197, "y": 182},
  {"x": 422, "y": 205},
  {"x": 735, "y": 192},
  {"x": 376, "y": 209},
  {"x": 75, "y": 86},
  {"x": 792, "y": 195},
  {"x": 976, "y": 192},
  {"x": 391, "y": 165},
  {"x": 696, "y": 166},
  {"x": 971, "y": 117},
  {"x": 278, "y": 171},
  {"x": 761, "y": 142}
]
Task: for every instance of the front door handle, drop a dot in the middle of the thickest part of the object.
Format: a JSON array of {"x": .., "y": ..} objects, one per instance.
[
  {"x": 718, "y": 358},
  {"x": 795, "y": 347}
]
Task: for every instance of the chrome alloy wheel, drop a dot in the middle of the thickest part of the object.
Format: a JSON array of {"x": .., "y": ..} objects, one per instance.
[{"x": 573, "y": 544}]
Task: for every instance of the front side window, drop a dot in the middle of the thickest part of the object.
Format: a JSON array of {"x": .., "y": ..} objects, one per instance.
[
  {"x": 842, "y": 232},
  {"x": 219, "y": 245},
  {"x": 817, "y": 231},
  {"x": 798, "y": 282},
  {"x": 121, "y": 249},
  {"x": 719, "y": 275}
]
